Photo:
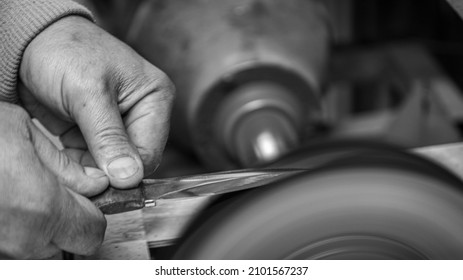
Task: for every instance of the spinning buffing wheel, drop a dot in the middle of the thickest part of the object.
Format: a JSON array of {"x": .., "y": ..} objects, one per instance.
[{"x": 377, "y": 204}]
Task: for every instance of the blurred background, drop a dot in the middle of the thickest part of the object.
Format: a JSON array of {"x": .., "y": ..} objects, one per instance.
[
  {"x": 259, "y": 79},
  {"x": 301, "y": 83}
]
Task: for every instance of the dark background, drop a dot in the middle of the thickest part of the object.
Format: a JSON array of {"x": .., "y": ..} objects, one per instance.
[{"x": 432, "y": 23}]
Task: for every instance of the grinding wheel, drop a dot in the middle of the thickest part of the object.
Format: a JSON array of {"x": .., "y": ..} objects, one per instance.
[{"x": 365, "y": 207}]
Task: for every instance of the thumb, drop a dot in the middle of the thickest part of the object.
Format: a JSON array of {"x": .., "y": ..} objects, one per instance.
[{"x": 101, "y": 124}]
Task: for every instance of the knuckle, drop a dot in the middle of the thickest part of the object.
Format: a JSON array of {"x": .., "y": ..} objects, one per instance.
[
  {"x": 144, "y": 80},
  {"x": 111, "y": 139},
  {"x": 158, "y": 82},
  {"x": 64, "y": 162},
  {"x": 165, "y": 86},
  {"x": 111, "y": 135}
]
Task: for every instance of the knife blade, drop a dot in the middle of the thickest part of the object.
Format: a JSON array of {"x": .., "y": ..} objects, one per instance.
[{"x": 114, "y": 201}]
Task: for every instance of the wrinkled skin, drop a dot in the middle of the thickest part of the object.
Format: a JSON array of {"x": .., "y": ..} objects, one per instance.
[
  {"x": 109, "y": 107},
  {"x": 89, "y": 80},
  {"x": 39, "y": 213}
]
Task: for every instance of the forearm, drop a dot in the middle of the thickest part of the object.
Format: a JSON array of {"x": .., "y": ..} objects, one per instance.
[{"x": 20, "y": 22}]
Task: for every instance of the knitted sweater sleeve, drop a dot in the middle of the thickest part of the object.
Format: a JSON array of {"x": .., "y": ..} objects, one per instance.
[{"x": 20, "y": 22}]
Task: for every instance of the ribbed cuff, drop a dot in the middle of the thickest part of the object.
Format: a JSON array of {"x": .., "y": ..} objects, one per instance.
[{"x": 20, "y": 22}]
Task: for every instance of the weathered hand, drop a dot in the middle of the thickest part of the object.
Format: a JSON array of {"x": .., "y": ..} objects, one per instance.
[
  {"x": 109, "y": 106},
  {"x": 40, "y": 211}
]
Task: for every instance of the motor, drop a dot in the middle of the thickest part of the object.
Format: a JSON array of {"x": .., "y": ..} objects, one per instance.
[{"x": 248, "y": 73}]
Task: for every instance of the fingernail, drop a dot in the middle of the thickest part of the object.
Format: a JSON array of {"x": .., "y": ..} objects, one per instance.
[
  {"x": 122, "y": 168},
  {"x": 94, "y": 172}
]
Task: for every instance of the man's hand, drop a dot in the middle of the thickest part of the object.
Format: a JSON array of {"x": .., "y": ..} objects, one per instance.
[
  {"x": 74, "y": 73},
  {"x": 39, "y": 211}
]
